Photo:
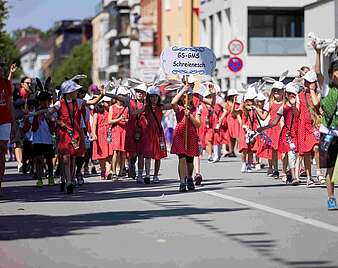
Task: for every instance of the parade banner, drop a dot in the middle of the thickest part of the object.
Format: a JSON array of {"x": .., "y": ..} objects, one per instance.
[{"x": 188, "y": 61}]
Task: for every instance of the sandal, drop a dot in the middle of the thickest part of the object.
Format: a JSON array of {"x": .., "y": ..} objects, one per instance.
[
  {"x": 295, "y": 182},
  {"x": 310, "y": 183},
  {"x": 321, "y": 179}
]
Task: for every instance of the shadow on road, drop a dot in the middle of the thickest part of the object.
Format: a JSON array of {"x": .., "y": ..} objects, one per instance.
[{"x": 41, "y": 226}]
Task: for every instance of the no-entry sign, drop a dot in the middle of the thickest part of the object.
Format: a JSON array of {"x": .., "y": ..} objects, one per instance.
[{"x": 235, "y": 64}]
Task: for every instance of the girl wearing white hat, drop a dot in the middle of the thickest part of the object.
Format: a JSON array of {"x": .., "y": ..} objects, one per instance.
[
  {"x": 136, "y": 131},
  {"x": 308, "y": 127},
  {"x": 232, "y": 120},
  {"x": 101, "y": 148},
  {"x": 117, "y": 120},
  {"x": 249, "y": 123},
  {"x": 71, "y": 140},
  {"x": 288, "y": 140},
  {"x": 271, "y": 108}
]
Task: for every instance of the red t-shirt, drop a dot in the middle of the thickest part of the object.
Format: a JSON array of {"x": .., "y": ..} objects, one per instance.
[{"x": 5, "y": 101}]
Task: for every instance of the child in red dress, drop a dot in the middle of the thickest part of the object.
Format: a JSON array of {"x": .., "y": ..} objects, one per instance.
[
  {"x": 288, "y": 140},
  {"x": 185, "y": 142},
  {"x": 71, "y": 140},
  {"x": 135, "y": 133},
  {"x": 309, "y": 105},
  {"x": 118, "y": 118},
  {"x": 271, "y": 108},
  {"x": 101, "y": 149},
  {"x": 249, "y": 123},
  {"x": 232, "y": 120},
  {"x": 221, "y": 133}
]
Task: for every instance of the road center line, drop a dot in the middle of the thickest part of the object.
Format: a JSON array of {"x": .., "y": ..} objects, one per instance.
[{"x": 282, "y": 213}]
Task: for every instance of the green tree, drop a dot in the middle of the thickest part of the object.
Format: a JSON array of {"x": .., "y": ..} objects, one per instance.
[
  {"x": 78, "y": 62},
  {"x": 8, "y": 51}
]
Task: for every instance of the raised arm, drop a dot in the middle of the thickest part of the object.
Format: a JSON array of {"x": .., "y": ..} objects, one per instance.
[
  {"x": 177, "y": 98},
  {"x": 318, "y": 67}
]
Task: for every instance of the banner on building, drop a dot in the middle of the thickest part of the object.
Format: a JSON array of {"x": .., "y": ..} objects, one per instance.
[{"x": 188, "y": 60}]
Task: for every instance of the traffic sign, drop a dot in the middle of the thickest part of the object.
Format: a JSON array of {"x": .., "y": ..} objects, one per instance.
[
  {"x": 235, "y": 64},
  {"x": 236, "y": 47}
]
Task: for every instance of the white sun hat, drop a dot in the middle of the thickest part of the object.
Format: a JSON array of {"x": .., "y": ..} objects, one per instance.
[
  {"x": 106, "y": 99},
  {"x": 278, "y": 85},
  {"x": 192, "y": 79},
  {"x": 260, "y": 97},
  {"x": 69, "y": 86},
  {"x": 154, "y": 90},
  {"x": 310, "y": 76},
  {"x": 232, "y": 92},
  {"x": 122, "y": 91},
  {"x": 141, "y": 87},
  {"x": 291, "y": 88},
  {"x": 250, "y": 94}
]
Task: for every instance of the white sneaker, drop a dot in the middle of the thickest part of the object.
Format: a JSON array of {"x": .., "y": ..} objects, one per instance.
[
  {"x": 156, "y": 179},
  {"x": 243, "y": 168},
  {"x": 215, "y": 160},
  {"x": 258, "y": 167}
]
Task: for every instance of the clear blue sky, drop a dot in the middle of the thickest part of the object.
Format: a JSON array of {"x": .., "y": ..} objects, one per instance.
[{"x": 43, "y": 13}]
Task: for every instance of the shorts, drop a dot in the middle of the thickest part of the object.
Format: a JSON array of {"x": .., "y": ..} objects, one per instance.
[
  {"x": 46, "y": 150},
  {"x": 189, "y": 159},
  {"x": 5, "y": 131},
  {"x": 328, "y": 159},
  {"x": 27, "y": 149}
]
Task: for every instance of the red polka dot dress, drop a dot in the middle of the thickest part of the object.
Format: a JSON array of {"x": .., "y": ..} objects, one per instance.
[
  {"x": 233, "y": 124},
  {"x": 274, "y": 133},
  {"x": 119, "y": 129},
  {"x": 178, "y": 146},
  {"x": 208, "y": 124},
  {"x": 306, "y": 137}
]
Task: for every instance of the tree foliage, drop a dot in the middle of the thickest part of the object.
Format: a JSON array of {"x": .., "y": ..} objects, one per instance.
[
  {"x": 78, "y": 62},
  {"x": 8, "y": 52}
]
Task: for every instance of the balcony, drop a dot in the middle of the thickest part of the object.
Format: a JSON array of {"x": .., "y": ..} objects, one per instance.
[{"x": 276, "y": 46}]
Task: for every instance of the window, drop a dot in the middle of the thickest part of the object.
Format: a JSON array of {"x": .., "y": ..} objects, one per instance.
[
  {"x": 167, "y": 4},
  {"x": 276, "y": 32},
  {"x": 276, "y": 23}
]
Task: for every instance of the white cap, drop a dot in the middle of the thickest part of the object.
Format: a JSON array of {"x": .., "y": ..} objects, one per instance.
[
  {"x": 310, "y": 76},
  {"x": 192, "y": 79},
  {"x": 141, "y": 87},
  {"x": 260, "y": 97},
  {"x": 154, "y": 90},
  {"x": 87, "y": 97},
  {"x": 106, "y": 99},
  {"x": 291, "y": 88},
  {"x": 232, "y": 92},
  {"x": 250, "y": 94},
  {"x": 278, "y": 85},
  {"x": 219, "y": 100},
  {"x": 122, "y": 91},
  {"x": 69, "y": 86}
]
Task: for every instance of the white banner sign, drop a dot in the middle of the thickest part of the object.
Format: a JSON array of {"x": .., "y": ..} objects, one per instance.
[{"x": 188, "y": 60}]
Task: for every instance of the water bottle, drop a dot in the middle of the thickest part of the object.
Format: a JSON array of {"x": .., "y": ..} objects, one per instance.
[
  {"x": 291, "y": 143},
  {"x": 109, "y": 136},
  {"x": 325, "y": 144}
]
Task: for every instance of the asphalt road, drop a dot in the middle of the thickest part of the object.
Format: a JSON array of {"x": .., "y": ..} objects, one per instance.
[{"x": 233, "y": 220}]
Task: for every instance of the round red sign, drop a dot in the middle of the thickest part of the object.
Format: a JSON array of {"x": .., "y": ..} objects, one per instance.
[{"x": 235, "y": 64}]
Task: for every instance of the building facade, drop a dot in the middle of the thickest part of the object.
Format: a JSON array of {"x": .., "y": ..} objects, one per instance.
[
  {"x": 274, "y": 34},
  {"x": 180, "y": 23}
]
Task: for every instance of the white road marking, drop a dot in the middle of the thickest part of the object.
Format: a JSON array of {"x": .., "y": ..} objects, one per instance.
[{"x": 282, "y": 213}]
